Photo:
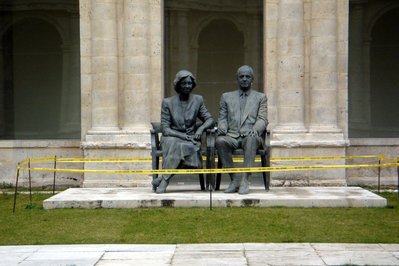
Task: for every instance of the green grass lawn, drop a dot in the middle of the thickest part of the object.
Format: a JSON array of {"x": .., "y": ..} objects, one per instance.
[{"x": 31, "y": 224}]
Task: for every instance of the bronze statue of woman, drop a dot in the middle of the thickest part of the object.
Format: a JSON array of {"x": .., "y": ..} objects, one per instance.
[{"x": 181, "y": 140}]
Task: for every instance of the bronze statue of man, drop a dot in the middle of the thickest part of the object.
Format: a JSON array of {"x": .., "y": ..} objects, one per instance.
[{"x": 242, "y": 122}]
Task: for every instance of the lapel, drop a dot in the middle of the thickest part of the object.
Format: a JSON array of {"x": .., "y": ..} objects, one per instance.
[
  {"x": 178, "y": 112},
  {"x": 236, "y": 106},
  {"x": 187, "y": 113}
]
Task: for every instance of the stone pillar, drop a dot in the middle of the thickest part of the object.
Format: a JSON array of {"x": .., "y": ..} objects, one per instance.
[
  {"x": 136, "y": 91},
  {"x": 290, "y": 75},
  {"x": 307, "y": 119},
  {"x": 104, "y": 47},
  {"x": 156, "y": 38},
  {"x": 131, "y": 34},
  {"x": 323, "y": 67},
  {"x": 270, "y": 25}
]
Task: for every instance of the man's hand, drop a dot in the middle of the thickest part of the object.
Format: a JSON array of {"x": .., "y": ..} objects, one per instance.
[
  {"x": 221, "y": 131},
  {"x": 252, "y": 133}
]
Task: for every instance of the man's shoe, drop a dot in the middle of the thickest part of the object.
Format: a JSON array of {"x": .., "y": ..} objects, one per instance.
[
  {"x": 232, "y": 188},
  {"x": 244, "y": 185},
  {"x": 234, "y": 184},
  {"x": 162, "y": 186}
]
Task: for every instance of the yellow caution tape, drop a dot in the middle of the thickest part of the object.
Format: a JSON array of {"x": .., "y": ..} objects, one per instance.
[
  {"x": 103, "y": 160},
  {"x": 138, "y": 160},
  {"x": 322, "y": 158},
  {"x": 211, "y": 171},
  {"x": 203, "y": 171}
]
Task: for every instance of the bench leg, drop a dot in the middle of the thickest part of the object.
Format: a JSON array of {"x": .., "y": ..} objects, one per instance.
[
  {"x": 155, "y": 166},
  {"x": 266, "y": 175},
  {"x": 210, "y": 164},
  {"x": 218, "y": 175},
  {"x": 201, "y": 180}
]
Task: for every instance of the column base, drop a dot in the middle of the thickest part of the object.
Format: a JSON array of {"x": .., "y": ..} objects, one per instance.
[
  {"x": 324, "y": 129},
  {"x": 117, "y": 139},
  {"x": 308, "y": 139},
  {"x": 121, "y": 145},
  {"x": 321, "y": 177},
  {"x": 290, "y": 129}
]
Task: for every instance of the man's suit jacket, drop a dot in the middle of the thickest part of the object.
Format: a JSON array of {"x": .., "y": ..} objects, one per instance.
[{"x": 254, "y": 116}]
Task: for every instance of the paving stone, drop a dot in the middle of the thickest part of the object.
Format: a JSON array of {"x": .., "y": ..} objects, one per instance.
[
  {"x": 7, "y": 259},
  {"x": 306, "y": 247},
  {"x": 341, "y": 247},
  {"x": 132, "y": 263},
  {"x": 136, "y": 258},
  {"x": 390, "y": 247},
  {"x": 283, "y": 257},
  {"x": 368, "y": 257},
  {"x": 58, "y": 263},
  {"x": 18, "y": 249},
  {"x": 251, "y": 254},
  {"x": 209, "y": 258},
  {"x": 72, "y": 257},
  {"x": 209, "y": 247}
]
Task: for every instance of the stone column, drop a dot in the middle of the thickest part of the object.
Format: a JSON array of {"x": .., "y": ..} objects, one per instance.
[
  {"x": 104, "y": 65},
  {"x": 157, "y": 42},
  {"x": 323, "y": 67},
  {"x": 270, "y": 24},
  {"x": 290, "y": 75},
  {"x": 137, "y": 102}
]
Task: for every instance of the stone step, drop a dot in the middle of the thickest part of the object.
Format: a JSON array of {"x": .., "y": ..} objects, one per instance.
[{"x": 186, "y": 196}]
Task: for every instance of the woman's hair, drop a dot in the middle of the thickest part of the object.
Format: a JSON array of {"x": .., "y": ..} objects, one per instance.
[{"x": 181, "y": 75}]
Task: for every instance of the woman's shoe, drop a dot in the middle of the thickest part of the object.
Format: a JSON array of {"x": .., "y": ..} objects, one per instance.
[
  {"x": 156, "y": 181},
  {"x": 162, "y": 186}
]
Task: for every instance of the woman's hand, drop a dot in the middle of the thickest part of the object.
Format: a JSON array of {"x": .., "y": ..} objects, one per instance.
[
  {"x": 191, "y": 138},
  {"x": 198, "y": 134}
]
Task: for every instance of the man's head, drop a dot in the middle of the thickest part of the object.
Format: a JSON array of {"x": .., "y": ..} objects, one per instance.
[{"x": 245, "y": 77}]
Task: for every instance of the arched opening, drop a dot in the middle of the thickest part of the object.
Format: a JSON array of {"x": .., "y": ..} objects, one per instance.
[
  {"x": 37, "y": 74},
  {"x": 220, "y": 53},
  {"x": 384, "y": 75},
  {"x": 32, "y": 80},
  {"x": 213, "y": 39}
]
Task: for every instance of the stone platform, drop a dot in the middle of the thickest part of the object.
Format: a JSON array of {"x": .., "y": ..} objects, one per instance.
[{"x": 190, "y": 197}]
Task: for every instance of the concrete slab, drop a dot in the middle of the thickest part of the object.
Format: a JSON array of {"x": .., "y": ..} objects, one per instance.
[
  {"x": 184, "y": 197},
  {"x": 136, "y": 258},
  {"x": 242, "y": 254}
]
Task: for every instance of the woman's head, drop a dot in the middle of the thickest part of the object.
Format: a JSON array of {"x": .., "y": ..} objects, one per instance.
[{"x": 182, "y": 75}]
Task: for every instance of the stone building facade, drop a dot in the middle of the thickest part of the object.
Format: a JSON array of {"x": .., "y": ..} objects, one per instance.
[{"x": 326, "y": 66}]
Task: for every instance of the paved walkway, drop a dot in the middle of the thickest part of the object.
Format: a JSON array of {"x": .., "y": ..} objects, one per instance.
[{"x": 202, "y": 254}]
